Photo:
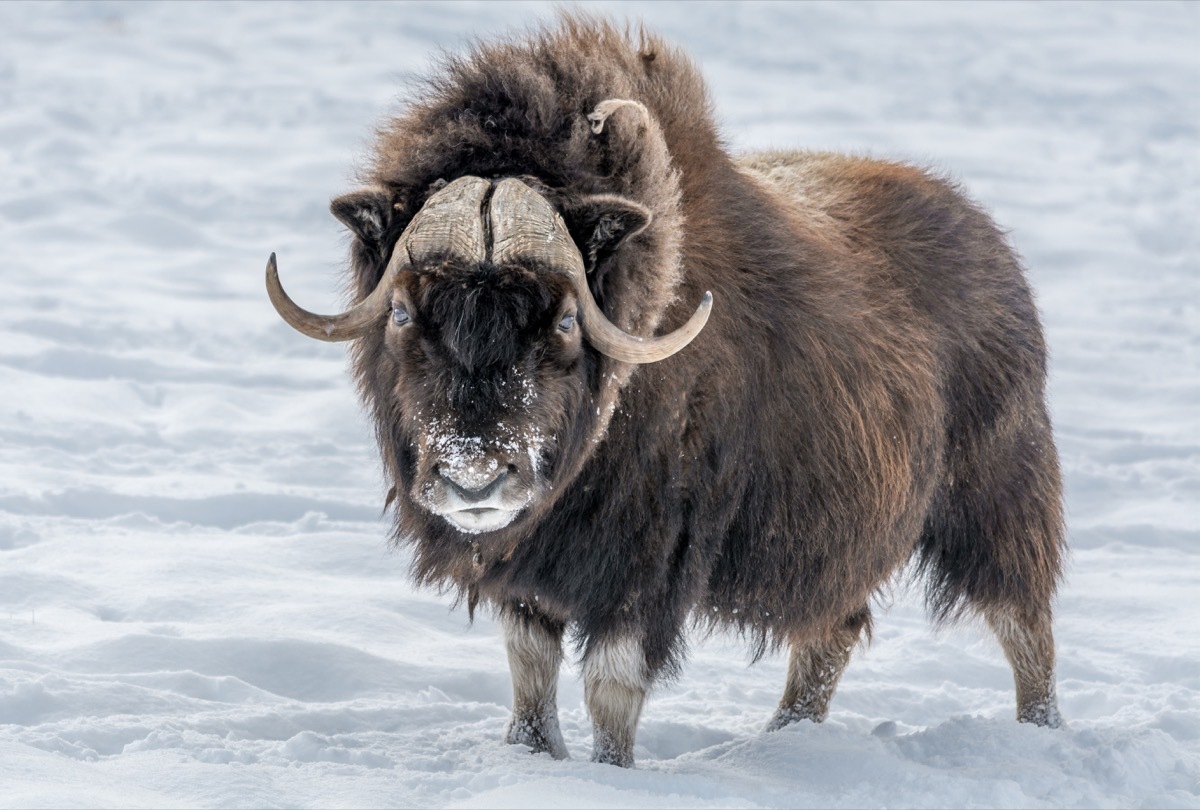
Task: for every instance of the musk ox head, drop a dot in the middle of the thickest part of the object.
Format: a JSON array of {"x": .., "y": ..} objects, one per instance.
[{"x": 487, "y": 339}]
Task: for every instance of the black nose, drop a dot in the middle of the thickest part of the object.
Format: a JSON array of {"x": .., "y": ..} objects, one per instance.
[{"x": 478, "y": 494}]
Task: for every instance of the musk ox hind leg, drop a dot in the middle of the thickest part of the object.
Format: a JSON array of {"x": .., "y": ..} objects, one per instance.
[
  {"x": 534, "y": 645},
  {"x": 814, "y": 668},
  {"x": 1028, "y": 645},
  {"x": 615, "y": 680},
  {"x": 994, "y": 546}
]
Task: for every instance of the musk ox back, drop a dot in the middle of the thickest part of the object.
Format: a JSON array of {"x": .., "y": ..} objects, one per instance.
[{"x": 864, "y": 386}]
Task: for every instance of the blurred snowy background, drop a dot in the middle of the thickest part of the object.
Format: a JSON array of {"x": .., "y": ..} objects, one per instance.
[{"x": 197, "y": 603}]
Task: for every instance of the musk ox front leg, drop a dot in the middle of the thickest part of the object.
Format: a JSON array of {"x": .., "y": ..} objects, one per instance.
[
  {"x": 814, "y": 668},
  {"x": 534, "y": 645},
  {"x": 615, "y": 680}
]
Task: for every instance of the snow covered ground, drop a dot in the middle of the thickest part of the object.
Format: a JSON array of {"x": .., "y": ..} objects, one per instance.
[{"x": 197, "y": 603}]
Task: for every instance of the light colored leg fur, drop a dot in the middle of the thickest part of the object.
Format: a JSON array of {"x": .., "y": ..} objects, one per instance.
[
  {"x": 814, "y": 669},
  {"x": 534, "y": 653},
  {"x": 615, "y": 680},
  {"x": 1029, "y": 647}
]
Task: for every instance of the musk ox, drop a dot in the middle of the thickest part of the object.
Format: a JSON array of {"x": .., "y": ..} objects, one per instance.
[{"x": 864, "y": 387}]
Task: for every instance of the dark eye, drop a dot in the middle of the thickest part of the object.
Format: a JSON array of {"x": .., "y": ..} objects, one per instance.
[
  {"x": 400, "y": 315},
  {"x": 567, "y": 322}
]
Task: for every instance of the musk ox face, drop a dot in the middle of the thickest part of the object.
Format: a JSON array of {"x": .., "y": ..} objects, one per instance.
[
  {"x": 482, "y": 343},
  {"x": 486, "y": 368}
]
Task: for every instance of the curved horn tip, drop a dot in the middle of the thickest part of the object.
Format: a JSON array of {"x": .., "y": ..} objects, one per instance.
[
  {"x": 353, "y": 323},
  {"x": 703, "y": 310}
]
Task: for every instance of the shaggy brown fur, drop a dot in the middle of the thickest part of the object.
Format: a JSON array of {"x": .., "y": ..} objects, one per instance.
[{"x": 868, "y": 390}]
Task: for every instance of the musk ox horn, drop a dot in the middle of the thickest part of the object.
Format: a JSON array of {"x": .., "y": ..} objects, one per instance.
[
  {"x": 525, "y": 226},
  {"x": 448, "y": 225}
]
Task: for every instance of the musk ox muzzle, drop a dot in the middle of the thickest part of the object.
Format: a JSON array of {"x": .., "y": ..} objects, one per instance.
[{"x": 478, "y": 484}]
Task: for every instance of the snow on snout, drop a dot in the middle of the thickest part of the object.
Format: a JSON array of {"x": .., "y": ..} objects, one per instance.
[
  {"x": 462, "y": 459},
  {"x": 473, "y": 462}
]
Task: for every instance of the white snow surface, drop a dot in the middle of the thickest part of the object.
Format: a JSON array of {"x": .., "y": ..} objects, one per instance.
[{"x": 198, "y": 605}]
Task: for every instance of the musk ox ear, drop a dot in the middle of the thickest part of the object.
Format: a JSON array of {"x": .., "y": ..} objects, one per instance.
[
  {"x": 367, "y": 213},
  {"x": 599, "y": 223}
]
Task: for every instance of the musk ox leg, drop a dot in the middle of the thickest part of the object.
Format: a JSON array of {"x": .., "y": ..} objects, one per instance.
[
  {"x": 534, "y": 646},
  {"x": 1029, "y": 647},
  {"x": 615, "y": 680},
  {"x": 814, "y": 668},
  {"x": 995, "y": 545}
]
